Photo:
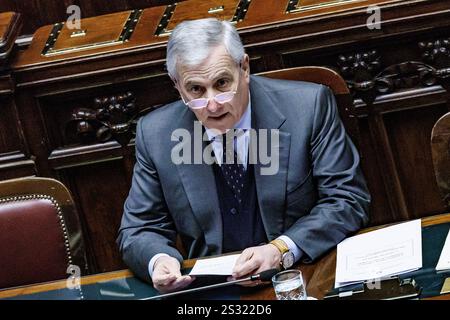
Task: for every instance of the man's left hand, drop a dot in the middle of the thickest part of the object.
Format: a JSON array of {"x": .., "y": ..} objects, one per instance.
[{"x": 255, "y": 260}]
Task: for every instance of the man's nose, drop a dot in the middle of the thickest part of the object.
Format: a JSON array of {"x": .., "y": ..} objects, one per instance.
[{"x": 213, "y": 106}]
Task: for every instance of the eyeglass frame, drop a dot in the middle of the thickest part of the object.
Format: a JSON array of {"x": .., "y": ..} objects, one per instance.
[{"x": 214, "y": 98}]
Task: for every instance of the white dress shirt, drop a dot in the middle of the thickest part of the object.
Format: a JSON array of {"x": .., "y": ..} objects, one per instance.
[
  {"x": 242, "y": 140},
  {"x": 242, "y": 143}
]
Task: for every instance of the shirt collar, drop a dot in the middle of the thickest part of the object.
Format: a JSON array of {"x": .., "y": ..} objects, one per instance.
[{"x": 244, "y": 123}]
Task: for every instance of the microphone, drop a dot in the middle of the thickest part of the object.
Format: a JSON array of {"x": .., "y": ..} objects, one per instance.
[{"x": 263, "y": 276}]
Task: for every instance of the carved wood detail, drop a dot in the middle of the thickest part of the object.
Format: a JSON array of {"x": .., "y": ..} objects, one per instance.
[
  {"x": 364, "y": 78},
  {"x": 112, "y": 117}
]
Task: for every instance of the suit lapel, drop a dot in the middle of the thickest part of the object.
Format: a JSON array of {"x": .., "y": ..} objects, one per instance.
[
  {"x": 200, "y": 187},
  {"x": 271, "y": 189}
]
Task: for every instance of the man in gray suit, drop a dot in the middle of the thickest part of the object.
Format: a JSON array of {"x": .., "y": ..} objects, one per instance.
[{"x": 314, "y": 198}]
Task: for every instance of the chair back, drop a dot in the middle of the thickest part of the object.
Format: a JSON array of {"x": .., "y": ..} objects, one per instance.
[
  {"x": 335, "y": 82},
  {"x": 440, "y": 152},
  {"x": 40, "y": 234}
]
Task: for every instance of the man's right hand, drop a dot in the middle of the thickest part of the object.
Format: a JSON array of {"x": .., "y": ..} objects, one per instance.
[{"x": 167, "y": 277}]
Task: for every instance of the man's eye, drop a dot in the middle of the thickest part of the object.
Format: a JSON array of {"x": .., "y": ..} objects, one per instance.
[
  {"x": 195, "y": 89},
  {"x": 223, "y": 83}
]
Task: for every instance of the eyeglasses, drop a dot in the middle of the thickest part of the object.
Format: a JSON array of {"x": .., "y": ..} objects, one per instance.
[
  {"x": 203, "y": 102},
  {"x": 220, "y": 98}
]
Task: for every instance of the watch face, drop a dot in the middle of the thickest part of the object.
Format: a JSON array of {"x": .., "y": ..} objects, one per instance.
[{"x": 288, "y": 260}]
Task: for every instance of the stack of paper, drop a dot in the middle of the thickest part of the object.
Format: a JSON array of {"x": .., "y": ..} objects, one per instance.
[
  {"x": 444, "y": 259},
  {"x": 379, "y": 254}
]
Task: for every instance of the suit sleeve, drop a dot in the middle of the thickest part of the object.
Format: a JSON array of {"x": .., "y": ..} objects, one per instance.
[
  {"x": 147, "y": 227},
  {"x": 343, "y": 197}
]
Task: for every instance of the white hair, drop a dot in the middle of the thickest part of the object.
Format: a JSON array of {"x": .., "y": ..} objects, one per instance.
[{"x": 191, "y": 42}]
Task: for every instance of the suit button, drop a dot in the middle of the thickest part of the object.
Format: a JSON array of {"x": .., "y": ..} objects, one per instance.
[{"x": 233, "y": 211}]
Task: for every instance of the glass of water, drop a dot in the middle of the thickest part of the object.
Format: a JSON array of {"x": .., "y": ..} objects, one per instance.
[{"x": 289, "y": 285}]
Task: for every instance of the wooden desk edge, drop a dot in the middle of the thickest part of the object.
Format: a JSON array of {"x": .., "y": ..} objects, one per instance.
[{"x": 62, "y": 284}]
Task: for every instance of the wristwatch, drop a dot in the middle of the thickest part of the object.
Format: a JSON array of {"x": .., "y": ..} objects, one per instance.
[{"x": 287, "y": 257}]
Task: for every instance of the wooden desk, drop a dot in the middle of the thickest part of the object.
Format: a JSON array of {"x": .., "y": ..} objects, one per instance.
[{"x": 319, "y": 276}]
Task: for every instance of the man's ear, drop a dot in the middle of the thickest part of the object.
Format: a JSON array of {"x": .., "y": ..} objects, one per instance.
[{"x": 246, "y": 66}]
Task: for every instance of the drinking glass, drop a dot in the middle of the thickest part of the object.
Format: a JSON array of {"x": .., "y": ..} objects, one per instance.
[{"x": 289, "y": 285}]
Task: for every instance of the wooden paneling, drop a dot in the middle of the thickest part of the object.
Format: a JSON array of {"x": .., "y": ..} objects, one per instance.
[
  {"x": 10, "y": 26},
  {"x": 38, "y": 13},
  {"x": 14, "y": 157},
  {"x": 100, "y": 189},
  {"x": 9, "y": 126},
  {"x": 15, "y": 160},
  {"x": 373, "y": 171},
  {"x": 409, "y": 136}
]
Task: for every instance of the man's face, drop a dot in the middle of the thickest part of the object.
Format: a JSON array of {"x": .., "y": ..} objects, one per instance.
[{"x": 218, "y": 73}]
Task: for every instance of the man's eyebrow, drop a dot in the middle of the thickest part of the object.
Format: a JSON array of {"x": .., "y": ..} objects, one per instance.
[
  {"x": 191, "y": 82},
  {"x": 222, "y": 74},
  {"x": 216, "y": 77},
  {"x": 194, "y": 82}
]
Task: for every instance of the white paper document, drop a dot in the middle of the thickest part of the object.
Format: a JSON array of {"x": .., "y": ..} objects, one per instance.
[
  {"x": 379, "y": 254},
  {"x": 444, "y": 259},
  {"x": 221, "y": 266}
]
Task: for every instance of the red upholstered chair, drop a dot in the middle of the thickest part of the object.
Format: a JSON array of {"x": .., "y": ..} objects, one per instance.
[{"x": 40, "y": 234}]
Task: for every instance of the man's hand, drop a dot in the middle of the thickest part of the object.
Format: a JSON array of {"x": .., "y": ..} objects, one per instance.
[
  {"x": 167, "y": 277},
  {"x": 255, "y": 260}
]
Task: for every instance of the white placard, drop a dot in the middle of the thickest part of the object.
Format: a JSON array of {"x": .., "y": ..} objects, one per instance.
[{"x": 380, "y": 254}]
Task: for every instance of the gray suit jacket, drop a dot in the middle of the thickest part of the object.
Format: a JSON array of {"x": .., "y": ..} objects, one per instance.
[{"x": 317, "y": 198}]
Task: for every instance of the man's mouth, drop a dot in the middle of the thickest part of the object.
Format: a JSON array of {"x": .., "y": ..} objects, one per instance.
[{"x": 218, "y": 118}]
